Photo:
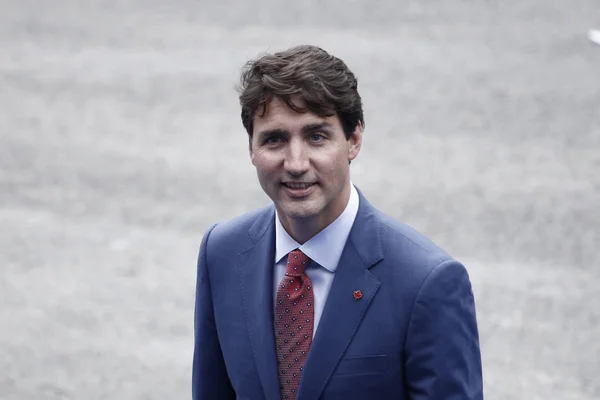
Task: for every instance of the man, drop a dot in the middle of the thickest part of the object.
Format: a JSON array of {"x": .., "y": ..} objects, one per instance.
[{"x": 320, "y": 295}]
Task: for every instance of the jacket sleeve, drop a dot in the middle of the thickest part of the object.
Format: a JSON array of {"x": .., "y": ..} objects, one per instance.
[
  {"x": 443, "y": 359},
  {"x": 209, "y": 375}
]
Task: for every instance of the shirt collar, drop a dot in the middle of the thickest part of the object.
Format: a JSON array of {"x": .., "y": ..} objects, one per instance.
[{"x": 326, "y": 247}]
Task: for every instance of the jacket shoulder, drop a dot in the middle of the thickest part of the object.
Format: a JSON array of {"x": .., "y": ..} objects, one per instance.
[
  {"x": 241, "y": 230},
  {"x": 404, "y": 243},
  {"x": 409, "y": 259}
]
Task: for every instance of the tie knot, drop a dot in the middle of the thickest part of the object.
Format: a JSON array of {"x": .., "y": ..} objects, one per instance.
[{"x": 297, "y": 263}]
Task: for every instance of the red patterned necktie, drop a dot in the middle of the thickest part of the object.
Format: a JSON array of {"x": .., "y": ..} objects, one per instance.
[{"x": 294, "y": 314}]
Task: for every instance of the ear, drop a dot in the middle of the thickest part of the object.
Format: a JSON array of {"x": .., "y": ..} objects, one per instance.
[{"x": 355, "y": 142}]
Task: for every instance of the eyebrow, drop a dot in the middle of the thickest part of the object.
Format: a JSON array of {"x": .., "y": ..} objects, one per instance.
[
  {"x": 316, "y": 126},
  {"x": 306, "y": 128},
  {"x": 272, "y": 132}
]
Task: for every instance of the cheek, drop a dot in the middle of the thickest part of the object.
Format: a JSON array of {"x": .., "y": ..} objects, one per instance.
[
  {"x": 265, "y": 166},
  {"x": 334, "y": 166}
]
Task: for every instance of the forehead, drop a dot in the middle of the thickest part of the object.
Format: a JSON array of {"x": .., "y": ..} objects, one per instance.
[{"x": 278, "y": 115}]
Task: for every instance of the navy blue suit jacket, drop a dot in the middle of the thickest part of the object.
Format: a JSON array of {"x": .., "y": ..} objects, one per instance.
[{"x": 412, "y": 335}]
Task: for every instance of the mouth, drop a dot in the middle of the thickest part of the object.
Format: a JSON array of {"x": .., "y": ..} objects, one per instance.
[
  {"x": 298, "y": 189},
  {"x": 297, "y": 185}
]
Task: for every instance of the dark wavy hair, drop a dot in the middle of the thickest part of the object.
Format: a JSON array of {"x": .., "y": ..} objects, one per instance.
[{"x": 324, "y": 83}]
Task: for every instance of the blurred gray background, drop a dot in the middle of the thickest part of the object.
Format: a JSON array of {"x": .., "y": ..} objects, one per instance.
[{"x": 120, "y": 142}]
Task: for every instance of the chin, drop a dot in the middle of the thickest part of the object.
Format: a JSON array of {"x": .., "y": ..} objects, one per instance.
[{"x": 295, "y": 212}]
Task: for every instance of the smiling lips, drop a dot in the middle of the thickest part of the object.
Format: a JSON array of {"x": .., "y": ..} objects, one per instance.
[
  {"x": 298, "y": 189},
  {"x": 298, "y": 185}
]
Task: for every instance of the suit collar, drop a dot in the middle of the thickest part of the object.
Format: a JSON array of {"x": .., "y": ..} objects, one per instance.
[
  {"x": 365, "y": 235},
  {"x": 262, "y": 224}
]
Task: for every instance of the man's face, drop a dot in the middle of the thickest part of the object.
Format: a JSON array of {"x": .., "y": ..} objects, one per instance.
[{"x": 302, "y": 163}]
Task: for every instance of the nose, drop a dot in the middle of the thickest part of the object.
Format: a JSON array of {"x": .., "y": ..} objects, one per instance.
[{"x": 296, "y": 159}]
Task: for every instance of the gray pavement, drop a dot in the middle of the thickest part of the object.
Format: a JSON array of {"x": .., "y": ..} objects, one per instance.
[{"x": 120, "y": 142}]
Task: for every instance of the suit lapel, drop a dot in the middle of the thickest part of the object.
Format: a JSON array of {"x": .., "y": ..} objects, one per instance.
[
  {"x": 343, "y": 313},
  {"x": 255, "y": 267}
]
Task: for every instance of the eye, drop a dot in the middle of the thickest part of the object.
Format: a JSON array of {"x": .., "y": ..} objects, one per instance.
[
  {"x": 272, "y": 139},
  {"x": 316, "y": 137}
]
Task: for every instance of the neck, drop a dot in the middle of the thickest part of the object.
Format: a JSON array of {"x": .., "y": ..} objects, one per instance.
[{"x": 302, "y": 230}]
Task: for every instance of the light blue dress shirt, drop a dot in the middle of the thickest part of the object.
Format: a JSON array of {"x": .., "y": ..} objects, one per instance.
[{"x": 324, "y": 249}]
